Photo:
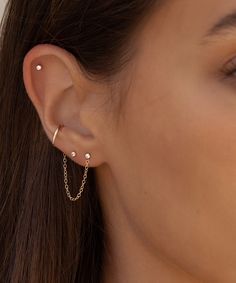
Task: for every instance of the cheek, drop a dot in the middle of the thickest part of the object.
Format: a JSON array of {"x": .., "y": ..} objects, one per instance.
[
  {"x": 189, "y": 135},
  {"x": 182, "y": 147}
]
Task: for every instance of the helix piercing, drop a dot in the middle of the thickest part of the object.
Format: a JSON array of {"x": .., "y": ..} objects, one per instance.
[{"x": 39, "y": 67}]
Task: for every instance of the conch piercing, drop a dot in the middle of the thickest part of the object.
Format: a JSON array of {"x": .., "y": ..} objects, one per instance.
[{"x": 73, "y": 154}]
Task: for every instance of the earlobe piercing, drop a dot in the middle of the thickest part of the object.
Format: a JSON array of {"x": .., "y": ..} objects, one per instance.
[
  {"x": 39, "y": 67},
  {"x": 87, "y": 156},
  {"x": 73, "y": 154}
]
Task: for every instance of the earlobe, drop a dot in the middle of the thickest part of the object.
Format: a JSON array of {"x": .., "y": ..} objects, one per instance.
[{"x": 51, "y": 75}]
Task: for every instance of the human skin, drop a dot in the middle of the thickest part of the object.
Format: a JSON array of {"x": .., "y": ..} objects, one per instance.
[{"x": 166, "y": 165}]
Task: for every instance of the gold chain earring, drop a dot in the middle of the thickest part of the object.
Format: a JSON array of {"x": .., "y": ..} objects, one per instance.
[{"x": 73, "y": 154}]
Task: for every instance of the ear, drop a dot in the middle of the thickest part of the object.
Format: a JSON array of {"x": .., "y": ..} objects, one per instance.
[{"x": 63, "y": 95}]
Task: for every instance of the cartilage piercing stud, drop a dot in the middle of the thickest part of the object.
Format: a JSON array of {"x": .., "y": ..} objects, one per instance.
[{"x": 39, "y": 67}]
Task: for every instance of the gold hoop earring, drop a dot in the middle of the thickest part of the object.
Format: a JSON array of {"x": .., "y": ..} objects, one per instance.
[{"x": 73, "y": 153}]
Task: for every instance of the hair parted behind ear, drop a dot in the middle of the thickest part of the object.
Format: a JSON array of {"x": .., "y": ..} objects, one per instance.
[{"x": 44, "y": 237}]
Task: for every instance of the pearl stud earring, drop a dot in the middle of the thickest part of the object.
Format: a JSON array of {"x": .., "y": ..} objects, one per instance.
[{"x": 39, "y": 67}]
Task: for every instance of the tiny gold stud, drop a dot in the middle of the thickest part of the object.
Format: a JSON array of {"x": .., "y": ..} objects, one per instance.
[
  {"x": 39, "y": 67},
  {"x": 87, "y": 155},
  {"x": 73, "y": 153}
]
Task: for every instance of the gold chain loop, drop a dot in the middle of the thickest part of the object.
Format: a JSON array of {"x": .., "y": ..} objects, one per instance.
[{"x": 66, "y": 179}]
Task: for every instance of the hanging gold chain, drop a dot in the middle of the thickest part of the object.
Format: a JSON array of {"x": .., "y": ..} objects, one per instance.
[{"x": 66, "y": 179}]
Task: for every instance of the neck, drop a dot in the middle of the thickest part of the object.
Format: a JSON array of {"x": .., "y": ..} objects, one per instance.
[{"x": 128, "y": 258}]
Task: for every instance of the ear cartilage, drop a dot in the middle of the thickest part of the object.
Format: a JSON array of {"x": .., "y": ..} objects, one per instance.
[{"x": 39, "y": 67}]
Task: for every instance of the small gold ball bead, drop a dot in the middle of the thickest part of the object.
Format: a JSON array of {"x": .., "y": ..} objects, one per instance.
[
  {"x": 38, "y": 67},
  {"x": 87, "y": 155},
  {"x": 73, "y": 153}
]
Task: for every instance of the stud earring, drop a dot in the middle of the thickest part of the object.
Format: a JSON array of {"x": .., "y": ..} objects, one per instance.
[
  {"x": 73, "y": 154},
  {"x": 39, "y": 67}
]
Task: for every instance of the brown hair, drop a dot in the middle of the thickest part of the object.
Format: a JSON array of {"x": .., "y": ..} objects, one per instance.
[{"x": 44, "y": 237}]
